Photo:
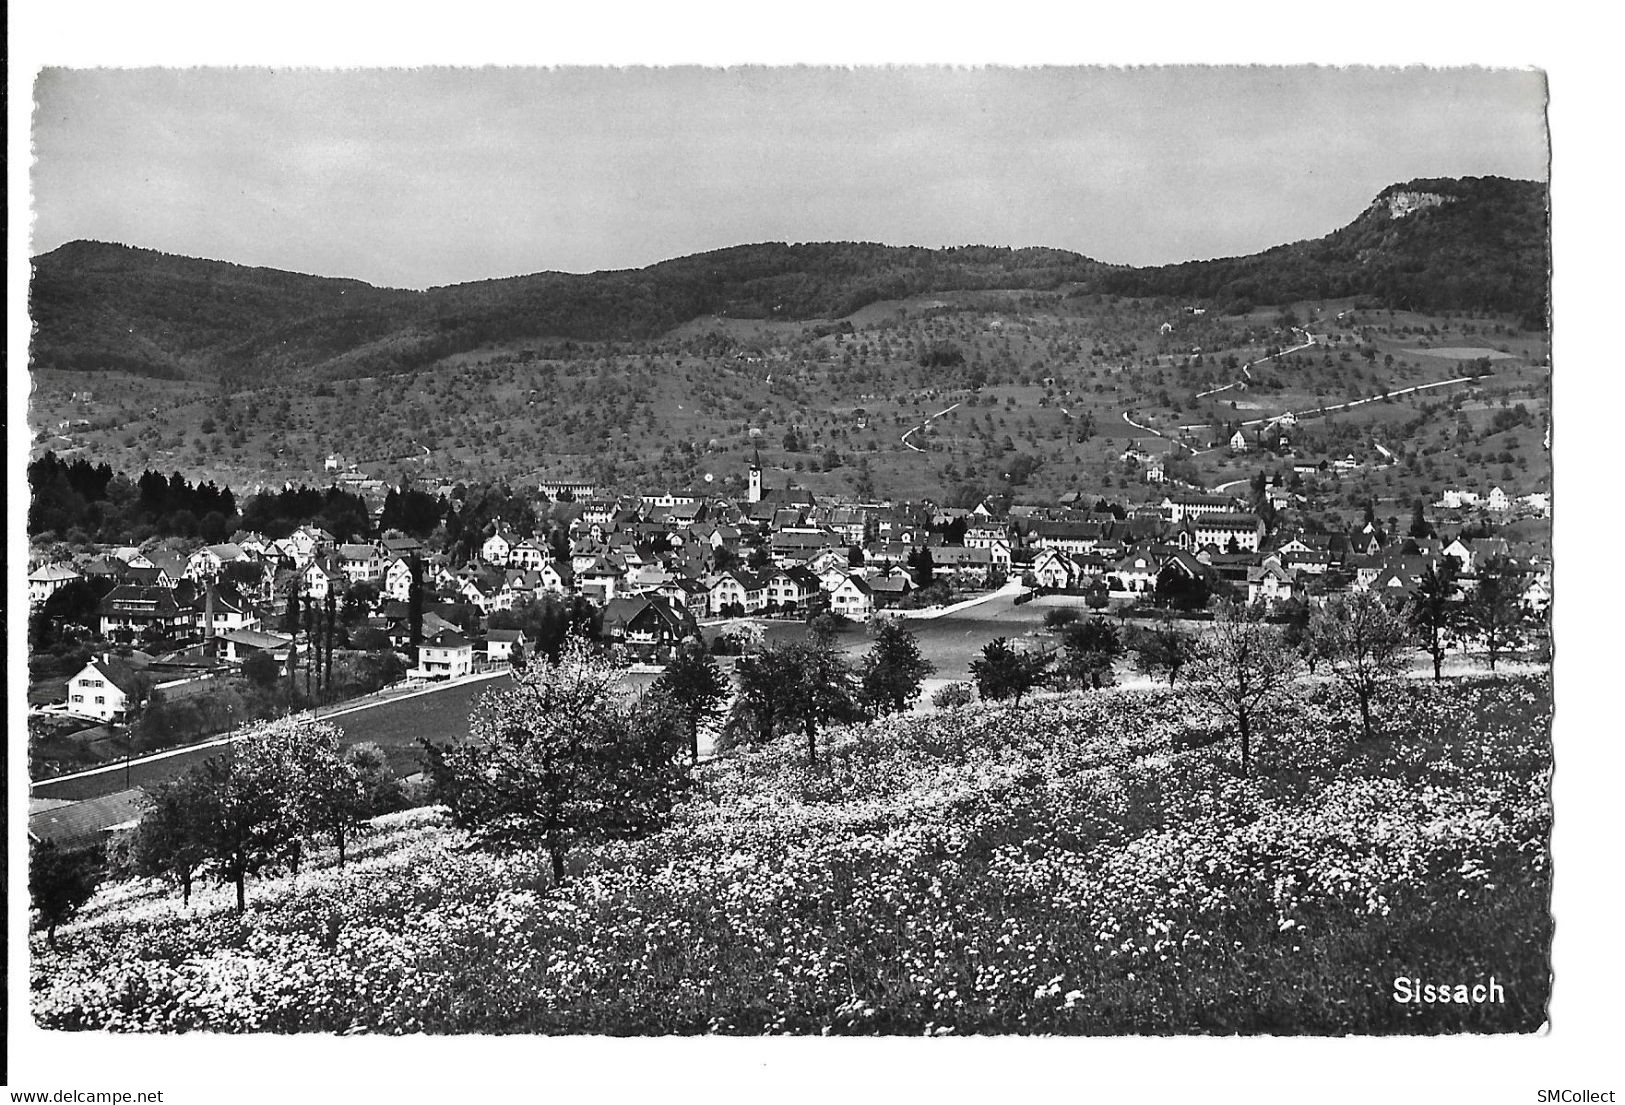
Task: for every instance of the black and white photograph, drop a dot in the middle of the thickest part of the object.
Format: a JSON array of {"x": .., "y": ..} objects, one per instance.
[{"x": 596, "y": 552}]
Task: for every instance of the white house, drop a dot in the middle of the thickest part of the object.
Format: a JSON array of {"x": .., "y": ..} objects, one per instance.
[
  {"x": 446, "y": 655},
  {"x": 498, "y": 546},
  {"x": 1238, "y": 441},
  {"x": 104, "y": 689},
  {"x": 47, "y": 580},
  {"x": 1498, "y": 500},
  {"x": 852, "y": 599},
  {"x": 500, "y": 645}
]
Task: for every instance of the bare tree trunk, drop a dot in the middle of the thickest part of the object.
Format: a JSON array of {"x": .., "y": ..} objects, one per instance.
[
  {"x": 1246, "y": 743},
  {"x": 558, "y": 863},
  {"x": 242, "y": 896}
]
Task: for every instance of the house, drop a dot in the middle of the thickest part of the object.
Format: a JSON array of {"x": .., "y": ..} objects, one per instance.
[
  {"x": 237, "y": 645},
  {"x": 360, "y": 562},
  {"x": 740, "y": 588},
  {"x": 792, "y": 588},
  {"x": 852, "y": 598},
  {"x": 1238, "y": 441},
  {"x": 601, "y": 580},
  {"x": 1498, "y": 500},
  {"x": 1221, "y": 527},
  {"x": 216, "y": 609},
  {"x": 502, "y": 645},
  {"x": 106, "y": 689},
  {"x": 47, "y": 580},
  {"x": 446, "y": 655},
  {"x": 130, "y": 610},
  {"x": 1055, "y": 570},
  {"x": 498, "y": 546},
  {"x": 397, "y": 582},
  {"x": 527, "y": 554},
  {"x": 1271, "y": 583},
  {"x": 889, "y": 587},
  {"x": 648, "y": 627},
  {"x": 961, "y": 562},
  {"x": 1136, "y": 571},
  {"x": 319, "y": 577},
  {"x": 207, "y": 561}
]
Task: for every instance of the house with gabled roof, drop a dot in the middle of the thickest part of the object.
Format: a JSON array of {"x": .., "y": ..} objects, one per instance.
[
  {"x": 1271, "y": 583},
  {"x": 207, "y": 562},
  {"x": 107, "y": 689},
  {"x": 649, "y": 627},
  {"x": 738, "y": 587},
  {"x": 498, "y": 546},
  {"x": 501, "y": 645},
  {"x": 792, "y": 588},
  {"x": 130, "y": 610},
  {"x": 852, "y": 598},
  {"x": 529, "y": 553}
]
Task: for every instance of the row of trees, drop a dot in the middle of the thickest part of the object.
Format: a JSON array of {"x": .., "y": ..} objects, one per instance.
[
  {"x": 101, "y": 504},
  {"x": 281, "y": 787}
]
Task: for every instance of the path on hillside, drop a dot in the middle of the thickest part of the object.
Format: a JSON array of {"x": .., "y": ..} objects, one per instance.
[
  {"x": 1157, "y": 432},
  {"x": 909, "y": 433},
  {"x": 1345, "y": 406},
  {"x": 1246, "y": 369}
]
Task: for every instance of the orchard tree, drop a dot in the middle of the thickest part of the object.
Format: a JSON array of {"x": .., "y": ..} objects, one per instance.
[
  {"x": 696, "y": 687},
  {"x": 1364, "y": 640},
  {"x": 1163, "y": 649},
  {"x": 1004, "y": 672},
  {"x": 559, "y": 759},
  {"x": 171, "y": 840},
  {"x": 1240, "y": 664},
  {"x": 893, "y": 670},
  {"x": 1091, "y": 647},
  {"x": 1435, "y": 613},
  {"x": 1494, "y": 611},
  {"x": 59, "y": 882}
]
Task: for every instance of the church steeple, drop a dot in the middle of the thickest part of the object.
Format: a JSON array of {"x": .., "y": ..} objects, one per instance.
[{"x": 755, "y": 494}]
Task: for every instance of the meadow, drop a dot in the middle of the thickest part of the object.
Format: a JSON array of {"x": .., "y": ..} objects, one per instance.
[{"x": 1086, "y": 864}]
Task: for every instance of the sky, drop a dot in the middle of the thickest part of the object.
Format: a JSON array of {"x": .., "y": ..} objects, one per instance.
[{"x": 420, "y": 177}]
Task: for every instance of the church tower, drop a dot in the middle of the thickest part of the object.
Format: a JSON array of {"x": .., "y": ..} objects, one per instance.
[{"x": 755, "y": 494}]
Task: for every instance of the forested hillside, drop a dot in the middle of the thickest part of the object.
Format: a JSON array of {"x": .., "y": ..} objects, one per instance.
[{"x": 1477, "y": 244}]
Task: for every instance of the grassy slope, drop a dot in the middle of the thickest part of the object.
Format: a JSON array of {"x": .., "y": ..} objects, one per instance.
[{"x": 1062, "y": 868}]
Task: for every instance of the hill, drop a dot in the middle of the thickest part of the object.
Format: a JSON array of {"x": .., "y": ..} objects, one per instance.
[
  {"x": 1476, "y": 244},
  {"x": 1434, "y": 246},
  {"x": 108, "y": 306},
  {"x": 1071, "y": 867}
]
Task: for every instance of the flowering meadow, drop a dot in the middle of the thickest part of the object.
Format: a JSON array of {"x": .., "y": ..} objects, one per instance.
[{"x": 1089, "y": 863}]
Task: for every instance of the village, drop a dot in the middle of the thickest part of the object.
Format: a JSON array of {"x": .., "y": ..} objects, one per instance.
[{"x": 660, "y": 568}]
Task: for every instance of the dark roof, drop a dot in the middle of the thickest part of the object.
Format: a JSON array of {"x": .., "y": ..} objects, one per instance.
[{"x": 82, "y": 823}]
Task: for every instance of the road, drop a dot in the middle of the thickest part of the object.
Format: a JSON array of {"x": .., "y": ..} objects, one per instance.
[
  {"x": 909, "y": 433},
  {"x": 393, "y": 722}
]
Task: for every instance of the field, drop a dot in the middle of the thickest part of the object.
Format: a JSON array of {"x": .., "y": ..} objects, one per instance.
[
  {"x": 1073, "y": 867},
  {"x": 1042, "y": 381}
]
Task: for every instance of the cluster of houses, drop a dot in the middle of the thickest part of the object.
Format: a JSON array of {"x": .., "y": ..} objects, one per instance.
[{"x": 658, "y": 565}]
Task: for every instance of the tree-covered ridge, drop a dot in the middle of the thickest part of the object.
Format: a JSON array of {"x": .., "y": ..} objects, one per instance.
[
  {"x": 110, "y": 306},
  {"x": 101, "y": 306},
  {"x": 1485, "y": 248}
]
